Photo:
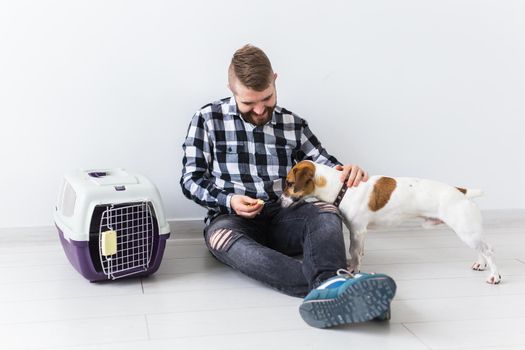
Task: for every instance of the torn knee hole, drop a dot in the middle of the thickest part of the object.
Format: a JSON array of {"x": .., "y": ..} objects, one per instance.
[
  {"x": 326, "y": 207},
  {"x": 220, "y": 239}
]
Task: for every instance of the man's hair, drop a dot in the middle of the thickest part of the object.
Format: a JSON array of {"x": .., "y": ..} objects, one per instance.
[{"x": 252, "y": 67}]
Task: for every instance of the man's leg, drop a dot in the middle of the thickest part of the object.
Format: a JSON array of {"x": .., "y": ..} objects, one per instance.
[
  {"x": 336, "y": 297},
  {"x": 315, "y": 230},
  {"x": 240, "y": 243}
]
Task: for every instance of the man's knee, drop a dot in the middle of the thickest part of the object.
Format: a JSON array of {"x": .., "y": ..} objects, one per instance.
[
  {"x": 325, "y": 214},
  {"x": 221, "y": 239},
  {"x": 324, "y": 207}
]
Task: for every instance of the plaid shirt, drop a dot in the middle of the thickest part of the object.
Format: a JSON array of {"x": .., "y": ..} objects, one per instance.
[{"x": 225, "y": 155}]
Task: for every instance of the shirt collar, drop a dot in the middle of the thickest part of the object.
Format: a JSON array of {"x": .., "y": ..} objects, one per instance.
[{"x": 232, "y": 107}]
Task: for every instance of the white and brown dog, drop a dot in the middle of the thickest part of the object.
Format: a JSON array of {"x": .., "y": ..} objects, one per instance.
[{"x": 389, "y": 201}]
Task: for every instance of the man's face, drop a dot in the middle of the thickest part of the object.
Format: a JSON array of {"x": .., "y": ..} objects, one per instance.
[{"x": 256, "y": 107}]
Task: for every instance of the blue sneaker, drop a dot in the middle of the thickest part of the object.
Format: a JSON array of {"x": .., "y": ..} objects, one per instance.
[{"x": 348, "y": 298}]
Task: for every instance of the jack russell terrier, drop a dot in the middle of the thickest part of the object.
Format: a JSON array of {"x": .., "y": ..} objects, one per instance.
[{"x": 389, "y": 201}]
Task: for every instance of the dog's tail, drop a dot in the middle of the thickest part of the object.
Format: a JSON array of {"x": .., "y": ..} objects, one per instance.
[{"x": 470, "y": 192}]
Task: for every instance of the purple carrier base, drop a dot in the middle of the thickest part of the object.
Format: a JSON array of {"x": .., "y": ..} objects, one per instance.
[{"x": 78, "y": 255}]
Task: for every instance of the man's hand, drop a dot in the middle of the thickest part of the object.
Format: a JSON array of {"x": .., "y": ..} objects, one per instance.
[
  {"x": 356, "y": 174},
  {"x": 245, "y": 206}
]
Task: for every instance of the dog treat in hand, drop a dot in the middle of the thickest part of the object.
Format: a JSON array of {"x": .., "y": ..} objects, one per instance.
[{"x": 259, "y": 201}]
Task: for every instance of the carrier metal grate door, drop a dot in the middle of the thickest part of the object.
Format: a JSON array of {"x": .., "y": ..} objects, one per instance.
[{"x": 134, "y": 229}]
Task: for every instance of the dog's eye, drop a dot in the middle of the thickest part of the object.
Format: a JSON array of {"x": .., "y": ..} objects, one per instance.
[{"x": 289, "y": 183}]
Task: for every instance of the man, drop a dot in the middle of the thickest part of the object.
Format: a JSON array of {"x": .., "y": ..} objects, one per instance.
[{"x": 237, "y": 154}]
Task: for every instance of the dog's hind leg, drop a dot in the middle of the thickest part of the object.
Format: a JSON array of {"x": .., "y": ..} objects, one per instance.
[
  {"x": 465, "y": 219},
  {"x": 431, "y": 223},
  {"x": 486, "y": 255}
]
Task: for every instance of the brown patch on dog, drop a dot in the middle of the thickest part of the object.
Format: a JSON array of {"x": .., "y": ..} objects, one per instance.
[
  {"x": 462, "y": 190},
  {"x": 320, "y": 181},
  {"x": 381, "y": 193},
  {"x": 300, "y": 180}
]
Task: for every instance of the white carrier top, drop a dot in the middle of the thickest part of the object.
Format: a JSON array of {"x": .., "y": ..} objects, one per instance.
[{"x": 83, "y": 190}]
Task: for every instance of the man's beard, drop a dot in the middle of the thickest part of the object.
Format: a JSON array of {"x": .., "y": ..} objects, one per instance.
[{"x": 254, "y": 119}]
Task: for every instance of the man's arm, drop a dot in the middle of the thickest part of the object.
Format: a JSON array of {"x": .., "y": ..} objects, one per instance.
[
  {"x": 195, "y": 181},
  {"x": 314, "y": 151}
]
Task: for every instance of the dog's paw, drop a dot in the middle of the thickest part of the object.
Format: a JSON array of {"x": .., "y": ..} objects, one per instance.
[
  {"x": 478, "y": 266},
  {"x": 352, "y": 265},
  {"x": 494, "y": 279}
]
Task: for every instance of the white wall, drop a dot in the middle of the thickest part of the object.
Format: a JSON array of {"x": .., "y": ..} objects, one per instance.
[{"x": 420, "y": 88}]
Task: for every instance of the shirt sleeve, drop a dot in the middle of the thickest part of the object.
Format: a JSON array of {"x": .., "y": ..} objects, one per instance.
[
  {"x": 311, "y": 148},
  {"x": 195, "y": 180}
]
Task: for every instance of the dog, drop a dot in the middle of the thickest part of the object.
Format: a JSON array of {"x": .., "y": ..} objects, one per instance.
[{"x": 389, "y": 201}]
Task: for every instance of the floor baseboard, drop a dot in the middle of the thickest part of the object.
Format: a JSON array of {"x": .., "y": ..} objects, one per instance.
[{"x": 193, "y": 228}]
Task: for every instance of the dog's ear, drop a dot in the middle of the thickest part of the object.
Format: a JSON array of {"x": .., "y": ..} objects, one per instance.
[
  {"x": 290, "y": 178},
  {"x": 304, "y": 175}
]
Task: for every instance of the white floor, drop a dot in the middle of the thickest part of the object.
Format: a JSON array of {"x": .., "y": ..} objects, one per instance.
[{"x": 194, "y": 302}]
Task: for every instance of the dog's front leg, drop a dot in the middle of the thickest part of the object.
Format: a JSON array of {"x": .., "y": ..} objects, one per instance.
[{"x": 357, "y": 247}]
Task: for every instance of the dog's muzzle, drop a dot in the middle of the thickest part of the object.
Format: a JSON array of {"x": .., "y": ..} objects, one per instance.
[{"x": 288, "y": 201}]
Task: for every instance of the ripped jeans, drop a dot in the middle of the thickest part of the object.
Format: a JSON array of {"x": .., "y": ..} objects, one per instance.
[{"x": 267, "y": 248}]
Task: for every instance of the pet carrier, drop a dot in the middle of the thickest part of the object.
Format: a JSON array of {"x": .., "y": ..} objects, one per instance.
[{"x": 111, "y": 224}]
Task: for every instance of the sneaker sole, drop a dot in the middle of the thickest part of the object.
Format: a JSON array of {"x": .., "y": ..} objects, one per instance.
[{"x": 360, "y": 302}]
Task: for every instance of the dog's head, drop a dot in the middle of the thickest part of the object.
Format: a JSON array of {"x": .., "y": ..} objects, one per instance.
[{"x": 300, "y": 183}]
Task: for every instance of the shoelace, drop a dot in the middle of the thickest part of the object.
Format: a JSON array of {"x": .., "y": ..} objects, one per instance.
[{"x": 344, "y": 273}]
